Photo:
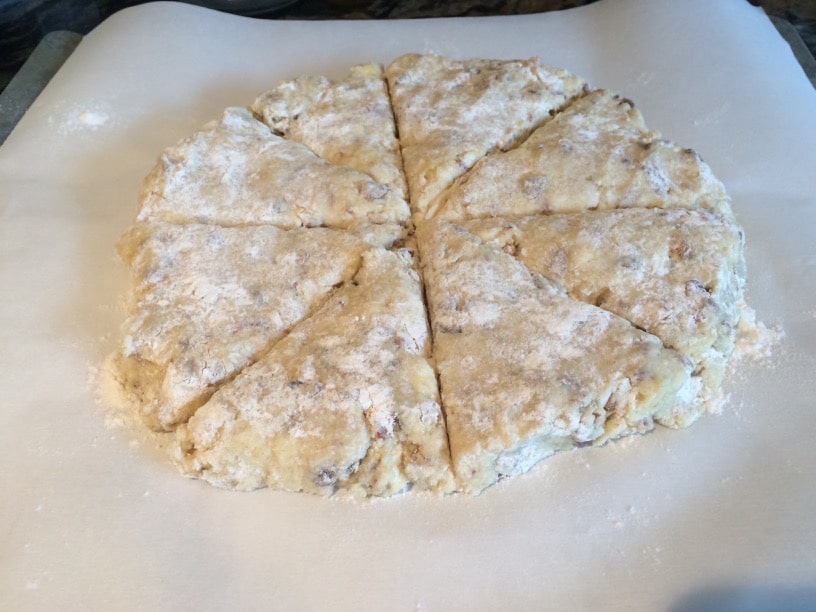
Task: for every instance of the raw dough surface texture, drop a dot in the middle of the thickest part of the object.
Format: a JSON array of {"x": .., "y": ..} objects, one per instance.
[{"x": 425, "y": 276}]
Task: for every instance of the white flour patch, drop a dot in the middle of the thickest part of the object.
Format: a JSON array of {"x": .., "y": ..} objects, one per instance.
[{"x": 80, "y": 118}]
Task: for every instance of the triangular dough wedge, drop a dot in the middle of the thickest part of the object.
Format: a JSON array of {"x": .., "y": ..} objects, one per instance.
[
  {"x": 209, "y": 300},
  {"x": 678, "y": 274},
  {"x": 235, "y": 171},
  {"x": 347, "y": 122},
  {"x": 596, "y": 154},
  {"x": 450, "y": 113},
  {"x": 348, "y": 400},
  {"x": 525, "y": 370}
]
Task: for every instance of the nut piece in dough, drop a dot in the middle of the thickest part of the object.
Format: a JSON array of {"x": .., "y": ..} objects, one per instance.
[
  {"x": 525, "y": 370},
  {"x": 347, "y": 401}
]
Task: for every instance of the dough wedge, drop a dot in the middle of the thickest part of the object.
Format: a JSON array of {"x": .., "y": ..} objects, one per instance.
[
  {"x": 678, "y": 274},
  {"x": 596, "y": 154},
  {"x": 525, "y": 370},
  {"x": 450, "y": 113},
  {"x": 235, "y": 171}
]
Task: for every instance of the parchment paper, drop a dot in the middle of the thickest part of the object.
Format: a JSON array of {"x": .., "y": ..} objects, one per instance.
[{"x": 91, "y": 518}]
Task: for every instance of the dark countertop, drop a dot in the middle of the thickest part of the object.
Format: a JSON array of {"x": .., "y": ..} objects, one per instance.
[
  {"x": 24, "y": 23},
  {"x": 36, "y": 36}
]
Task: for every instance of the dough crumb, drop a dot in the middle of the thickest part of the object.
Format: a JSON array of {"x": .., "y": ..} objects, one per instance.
[
  {"x": 120, "y": 413},
  {"x": 756, "y": 342}
]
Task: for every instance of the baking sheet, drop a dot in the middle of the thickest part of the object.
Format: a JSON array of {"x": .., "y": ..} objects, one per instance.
[{"x": 92, "y": 518}]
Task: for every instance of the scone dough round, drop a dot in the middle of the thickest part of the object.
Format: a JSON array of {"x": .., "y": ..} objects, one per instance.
[{"x": 425, "y": 276}]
